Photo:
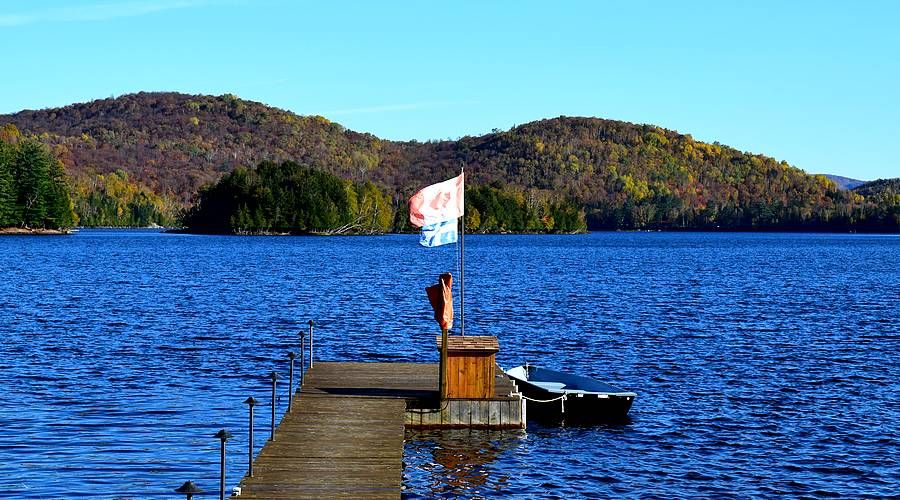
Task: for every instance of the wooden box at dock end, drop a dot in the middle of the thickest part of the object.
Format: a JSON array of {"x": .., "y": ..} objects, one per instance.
[{"x": 470, "y": 366}]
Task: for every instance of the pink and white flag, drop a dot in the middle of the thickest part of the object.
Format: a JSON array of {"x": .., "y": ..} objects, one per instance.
[{"x": 438, "y": 202}]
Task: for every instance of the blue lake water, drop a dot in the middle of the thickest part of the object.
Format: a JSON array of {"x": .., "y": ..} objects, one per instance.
[{"x": 765, "y": 363}]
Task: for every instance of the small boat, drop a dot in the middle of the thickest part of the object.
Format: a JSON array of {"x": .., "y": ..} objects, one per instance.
[{"x": 573, "y": 398}]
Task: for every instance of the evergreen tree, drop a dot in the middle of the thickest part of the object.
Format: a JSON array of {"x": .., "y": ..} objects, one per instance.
[
  {"x": 42, "y": 196},
  {"x": 60, "y": 209},
  {"x": 7, "y": 186},
  {"x": 32, "y": 169}
]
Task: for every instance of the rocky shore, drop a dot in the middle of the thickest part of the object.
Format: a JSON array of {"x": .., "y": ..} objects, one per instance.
[{"x": 33, "y": 231}]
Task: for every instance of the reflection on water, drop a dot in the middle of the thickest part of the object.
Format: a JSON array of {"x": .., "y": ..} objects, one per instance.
[
  {"x": 458, "y": 461},
  {"x": 545, "y": 460}
]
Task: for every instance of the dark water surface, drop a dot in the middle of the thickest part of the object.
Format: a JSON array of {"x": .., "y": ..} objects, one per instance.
[{"x": 764, "y": 364}]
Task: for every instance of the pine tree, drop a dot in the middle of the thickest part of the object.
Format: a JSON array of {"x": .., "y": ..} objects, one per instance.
[
  {"x": 42, "y": 195},
  {"x": 32, "y": 174},
  {"x": 7, "y": 186},
  {"x": 60, "y": 209}
]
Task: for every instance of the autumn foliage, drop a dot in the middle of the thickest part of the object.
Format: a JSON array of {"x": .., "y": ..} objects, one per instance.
[{"x": 610, "y": 174}]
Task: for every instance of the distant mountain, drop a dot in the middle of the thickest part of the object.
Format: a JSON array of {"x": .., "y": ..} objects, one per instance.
[
  {"x": 624, "y": 175},
  {"x": 881, "y": 187},
  {"x": 844, "y": 182}
]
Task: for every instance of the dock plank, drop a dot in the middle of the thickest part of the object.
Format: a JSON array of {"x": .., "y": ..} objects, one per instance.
[{"x": 344, "y": 437}]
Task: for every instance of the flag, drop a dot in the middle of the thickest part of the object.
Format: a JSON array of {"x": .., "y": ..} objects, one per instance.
[
  {"x": 438, "y": 203},
  {"x": 439, "y": 233},
  {"x": 441, "y": 298}
]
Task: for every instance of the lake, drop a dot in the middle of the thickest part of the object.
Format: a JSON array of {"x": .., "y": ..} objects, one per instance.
[{"x": 764, "y": 364}]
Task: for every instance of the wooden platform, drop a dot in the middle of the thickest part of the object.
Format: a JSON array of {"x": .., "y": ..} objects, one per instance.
[{"x": 344, "y": 437}]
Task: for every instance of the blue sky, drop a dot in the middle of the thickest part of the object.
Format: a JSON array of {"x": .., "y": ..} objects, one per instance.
[{"x": 814, "y": 83}]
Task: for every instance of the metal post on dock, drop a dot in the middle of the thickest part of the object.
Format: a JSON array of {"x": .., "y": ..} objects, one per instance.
[
  {"x": 443, "y": 366},
  {"x": 223, "y": 436},
  {"x": 302, "y": 355},
  {"x": 274, "y": 377},
  {"x": 291, "y": 357},
  {"x": 251, "y": 403},
  {"x": 311, "y": 323},
  {"x": 189, "y": 489}
]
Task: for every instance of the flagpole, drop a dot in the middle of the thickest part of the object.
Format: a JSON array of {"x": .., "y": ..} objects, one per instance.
[{"x": 462, "y": 260}]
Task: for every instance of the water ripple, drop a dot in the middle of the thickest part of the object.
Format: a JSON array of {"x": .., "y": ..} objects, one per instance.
[{"x": 765, "y": 364}]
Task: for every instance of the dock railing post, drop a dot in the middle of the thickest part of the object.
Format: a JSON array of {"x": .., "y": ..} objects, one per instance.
[
  {"x": 251, "y": 403},
  {"x": 223, "y": 436},
  {"x": 311, "y": 323},
  {"x": 302, "y": 355},
  {"x": 291, "y": 357},
  {"x": 274, "y": 377}
]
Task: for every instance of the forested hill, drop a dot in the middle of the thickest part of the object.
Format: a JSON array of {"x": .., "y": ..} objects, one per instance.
[
  {"x": 623, "y": 175},
  {"x": 175, "y": 143},
  {"x": 881, "y": 187}
]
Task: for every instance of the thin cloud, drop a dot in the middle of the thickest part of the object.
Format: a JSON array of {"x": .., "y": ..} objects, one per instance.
[
  {"x": 98, "y": 12},
  {"x": 388, "y": 108}
]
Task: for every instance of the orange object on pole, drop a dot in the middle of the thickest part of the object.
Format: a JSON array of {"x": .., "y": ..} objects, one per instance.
[{"x": 441, "y": 298}]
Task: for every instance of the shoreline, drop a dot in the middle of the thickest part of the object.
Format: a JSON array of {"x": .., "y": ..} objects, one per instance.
[
  {"x": 26, "y": 231},
  {"x": 553, "y": 233},
  {"x": 20, "y": 231}
]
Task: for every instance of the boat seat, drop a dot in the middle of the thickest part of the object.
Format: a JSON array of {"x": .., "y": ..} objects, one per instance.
[{"x": 548, "y": 386}]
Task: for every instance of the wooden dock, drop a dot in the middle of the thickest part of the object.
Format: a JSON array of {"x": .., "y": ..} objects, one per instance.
[{"x": 344, "y": 437}]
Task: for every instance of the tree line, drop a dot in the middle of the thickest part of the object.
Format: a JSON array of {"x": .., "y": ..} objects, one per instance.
[
  {"x": 114, "y": 200},
  {"x": 33, "y": 190},
  {"x": 289, "y": 198},
  {"x": 495, "y": 208},
  {"x": 628, "y": 176},
  {"x": 294, "y": 199}
]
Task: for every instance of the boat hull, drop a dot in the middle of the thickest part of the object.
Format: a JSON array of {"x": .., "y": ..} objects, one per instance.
[
  {"x": 571, "y": 399},
  {"x": 586, "y": 408}
]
